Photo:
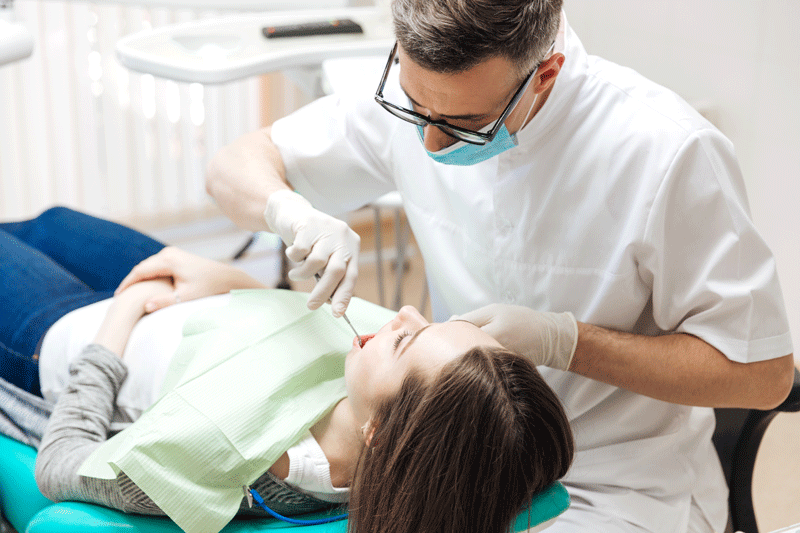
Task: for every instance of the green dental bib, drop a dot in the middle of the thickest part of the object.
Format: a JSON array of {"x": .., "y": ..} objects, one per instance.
[{"x": 245, "y": 384}]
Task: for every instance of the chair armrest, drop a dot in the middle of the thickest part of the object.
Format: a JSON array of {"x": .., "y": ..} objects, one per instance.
[
  {"x": 737, "y": 437},
  {"x": 792, "y": 402}
]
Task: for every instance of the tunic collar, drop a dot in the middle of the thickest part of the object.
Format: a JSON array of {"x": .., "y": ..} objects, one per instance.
[{"x": 565, "y": 90}]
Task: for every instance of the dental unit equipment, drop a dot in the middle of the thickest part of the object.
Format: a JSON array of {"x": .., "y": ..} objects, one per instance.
[
  {"x": 253, "y": 496},
  {"x": 16, "y": 41}
]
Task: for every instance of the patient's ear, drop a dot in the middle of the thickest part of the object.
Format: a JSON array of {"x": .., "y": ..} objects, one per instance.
[{"x": 368, "y": 431}]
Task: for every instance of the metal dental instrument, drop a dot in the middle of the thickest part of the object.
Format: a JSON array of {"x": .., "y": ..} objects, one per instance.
[{"x": 360, "y": 342}]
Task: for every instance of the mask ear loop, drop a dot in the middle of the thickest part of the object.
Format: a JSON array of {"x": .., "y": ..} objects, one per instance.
[
  {"x": 535, "y": 99},
  {"x": 530, "y": 110}
]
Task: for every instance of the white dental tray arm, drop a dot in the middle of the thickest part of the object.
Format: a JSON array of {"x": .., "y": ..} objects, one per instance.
[
  {"x": 16, "y": 42},
  {"x": 233, "y": 47}
]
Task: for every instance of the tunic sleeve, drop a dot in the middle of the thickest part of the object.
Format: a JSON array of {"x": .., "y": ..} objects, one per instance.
[
  {"x": 337, "y": 151},
  {"x": 712, "y": 274}
]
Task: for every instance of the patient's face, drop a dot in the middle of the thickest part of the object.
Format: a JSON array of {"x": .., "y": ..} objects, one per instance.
[{"x": 407, "y": 342}]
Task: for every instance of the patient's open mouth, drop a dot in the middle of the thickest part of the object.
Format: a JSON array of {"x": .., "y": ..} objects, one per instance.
[{"x": 364, "y": 339}]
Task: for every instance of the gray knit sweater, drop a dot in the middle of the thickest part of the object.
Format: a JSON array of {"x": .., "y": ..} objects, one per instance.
[{"x": 81, "y": 421}]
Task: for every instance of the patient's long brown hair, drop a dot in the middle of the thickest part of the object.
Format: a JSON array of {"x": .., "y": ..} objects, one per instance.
[{"x": 463, "y": 453}]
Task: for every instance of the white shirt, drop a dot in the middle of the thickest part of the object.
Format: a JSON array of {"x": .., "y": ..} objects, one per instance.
[
  {"x": 310, "y": 471},
  {"x": 149, "y": 350},
  {"x": 620, "y": 204}
]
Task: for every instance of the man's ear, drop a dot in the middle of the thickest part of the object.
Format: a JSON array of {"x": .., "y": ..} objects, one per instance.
[{"x": 548, "y": 72}]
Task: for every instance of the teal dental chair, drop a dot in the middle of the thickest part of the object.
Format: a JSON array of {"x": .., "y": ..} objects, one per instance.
[
  {"x": 27, "y": 511},
  {"x": 737, "y": 437}
]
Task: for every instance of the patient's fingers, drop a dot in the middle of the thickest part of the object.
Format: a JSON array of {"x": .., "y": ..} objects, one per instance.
[
  {"x": 159, "y": 302},
  {"x": 150, "y": 268}
]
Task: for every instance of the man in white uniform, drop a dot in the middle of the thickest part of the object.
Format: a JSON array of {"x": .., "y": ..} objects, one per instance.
[{"x": 596, "y": 195}]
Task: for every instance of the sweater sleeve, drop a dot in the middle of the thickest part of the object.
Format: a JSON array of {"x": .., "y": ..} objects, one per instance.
[{"x": 79, "y": 424}]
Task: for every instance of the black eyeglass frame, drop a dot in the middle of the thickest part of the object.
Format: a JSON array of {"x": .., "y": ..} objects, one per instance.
[{"x": 462, "y": 134}]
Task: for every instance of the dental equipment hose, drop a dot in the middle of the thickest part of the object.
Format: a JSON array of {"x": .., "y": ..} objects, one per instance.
[{"x": 254, "y": 496}]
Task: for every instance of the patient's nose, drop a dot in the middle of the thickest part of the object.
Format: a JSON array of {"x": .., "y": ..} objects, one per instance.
[{"x": 409, "y": 317}]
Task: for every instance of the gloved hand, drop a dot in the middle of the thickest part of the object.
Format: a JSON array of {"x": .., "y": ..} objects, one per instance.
[
  {"x": 548, "y": 339},
  {"x": 318, "y": 242}
]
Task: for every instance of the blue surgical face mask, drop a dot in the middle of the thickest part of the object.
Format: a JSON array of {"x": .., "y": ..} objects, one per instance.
[{"x": 465, "y": 154}]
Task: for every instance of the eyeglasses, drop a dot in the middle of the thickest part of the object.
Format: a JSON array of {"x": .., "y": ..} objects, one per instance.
[{"x": 462, "y": 134}]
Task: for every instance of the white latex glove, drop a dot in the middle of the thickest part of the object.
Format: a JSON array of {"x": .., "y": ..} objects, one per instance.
[
  {"x": 317, "y": 242},
  {"x": 548, "y": 339}
]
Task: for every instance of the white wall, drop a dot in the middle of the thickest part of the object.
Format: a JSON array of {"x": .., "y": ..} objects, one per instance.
[
  {"x": 79, "y": 129},
  {"x": 739, "y": 59}
]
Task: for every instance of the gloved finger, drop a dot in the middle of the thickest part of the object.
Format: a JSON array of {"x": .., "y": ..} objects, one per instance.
[
  {"x": 298, "y": 252},
  {"x": 335, "y": 271},
  {"x": 151, "y": 268},
  {"x": 480, "y": 317},
  {"x": 302, "y": 246},
  {"x": 321, "y": 258},
  {"x": 326, "y": 286},
  {"x": 309, "y": 267},
  {"x": 341, "y": 298}
]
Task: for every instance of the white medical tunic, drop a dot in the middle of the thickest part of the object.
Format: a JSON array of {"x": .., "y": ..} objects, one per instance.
[{"x": 620, "y": 204}]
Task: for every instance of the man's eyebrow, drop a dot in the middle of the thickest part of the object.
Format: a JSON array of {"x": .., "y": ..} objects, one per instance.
[
  {"x": 413, "y": 338},
  {"x": 451, "y": 117}
]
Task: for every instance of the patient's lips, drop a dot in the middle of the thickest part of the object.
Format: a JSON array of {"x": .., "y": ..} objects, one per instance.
[{"x": 364, "y": 339}]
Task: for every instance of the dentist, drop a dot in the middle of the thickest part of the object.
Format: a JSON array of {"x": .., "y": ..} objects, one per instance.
[{"x": 576, "y": 211}]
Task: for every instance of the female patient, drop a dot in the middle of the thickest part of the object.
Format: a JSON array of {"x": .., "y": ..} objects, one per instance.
[{"x": 442, "y": 429}]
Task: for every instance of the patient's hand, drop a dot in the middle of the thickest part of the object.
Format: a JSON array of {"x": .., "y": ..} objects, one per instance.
[
  {"x": 139, "y": 294},
  {"x": 125, "y": 311},
  {"x": 192, "y": 277}
]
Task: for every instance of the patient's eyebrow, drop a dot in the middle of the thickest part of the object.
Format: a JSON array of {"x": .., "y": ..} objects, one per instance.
[{"x": 413, "y": 338}]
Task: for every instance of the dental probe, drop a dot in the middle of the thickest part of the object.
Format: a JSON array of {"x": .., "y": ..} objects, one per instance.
[{"x": 360, "y": 343}]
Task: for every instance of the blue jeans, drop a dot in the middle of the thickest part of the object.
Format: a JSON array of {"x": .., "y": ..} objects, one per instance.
[{"x": 49, "y": 266}]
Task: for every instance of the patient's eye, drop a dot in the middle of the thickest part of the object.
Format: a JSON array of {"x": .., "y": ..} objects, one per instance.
[{"x": 400, "y": 338}]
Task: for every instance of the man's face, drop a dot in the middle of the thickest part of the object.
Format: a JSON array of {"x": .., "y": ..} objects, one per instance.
[{"x": 471, "y": 99}]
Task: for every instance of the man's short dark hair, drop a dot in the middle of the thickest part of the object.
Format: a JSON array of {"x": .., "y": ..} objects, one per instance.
[{"x": 451, "y": 36}]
